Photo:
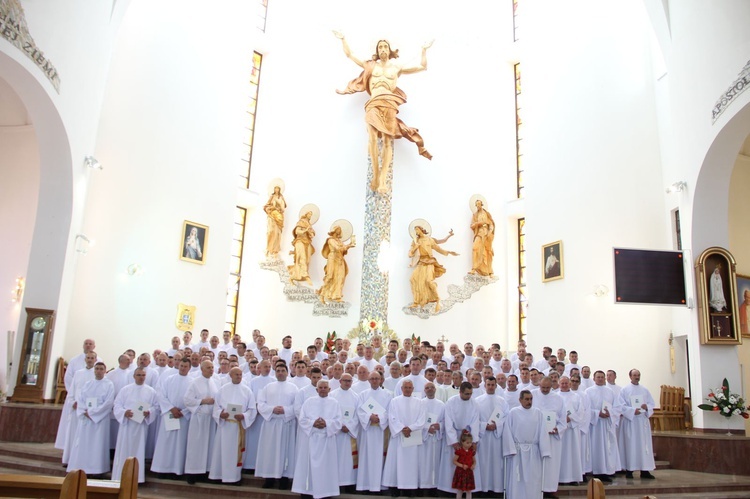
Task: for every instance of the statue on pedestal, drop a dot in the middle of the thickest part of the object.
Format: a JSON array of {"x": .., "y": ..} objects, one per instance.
[
  {"x": 274, "y": 209},
  {"x": 427, "y": 268},
  {"x": 336, "y": 270},
  {"x": 302, "y": 243},
  {"x": 379, "y": 79},
  {"x": 483, "y": 227}
]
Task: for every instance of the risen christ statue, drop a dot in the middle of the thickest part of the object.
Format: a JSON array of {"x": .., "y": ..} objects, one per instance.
[{"x": 379, "y": 77}]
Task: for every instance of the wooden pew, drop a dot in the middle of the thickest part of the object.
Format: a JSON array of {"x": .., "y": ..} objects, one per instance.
[{"x": 73, "y": 486}]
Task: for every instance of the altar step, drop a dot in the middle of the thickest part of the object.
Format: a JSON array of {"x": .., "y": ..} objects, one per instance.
[{"x": 44, "y": 459}]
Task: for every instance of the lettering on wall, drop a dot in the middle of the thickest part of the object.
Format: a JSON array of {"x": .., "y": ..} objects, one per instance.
[
  {"x": 14, "y": 29},
  {"x": 735, "y": 89}
]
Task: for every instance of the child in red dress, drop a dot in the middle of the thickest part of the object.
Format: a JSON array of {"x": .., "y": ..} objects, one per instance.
[{"x": 465, "y": 461}]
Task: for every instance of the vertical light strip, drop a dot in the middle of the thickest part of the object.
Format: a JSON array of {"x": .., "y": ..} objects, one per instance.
[
  {"x": 515, "y": 20},
  {"x": 262, "y": 14},
  {"x": 235, "y": 269},
  {"x": 519, "y": 132},
  {"x": 522, "y": 298},
  {"x": 247, "y": 159}
]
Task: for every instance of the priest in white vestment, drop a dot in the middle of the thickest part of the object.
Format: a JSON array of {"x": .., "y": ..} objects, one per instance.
[
  {"x": 512, "y": 394},
  {"x": 90, "y": 451},
  {"x": 234, "y": 411},
  {"x": 493, "y": 410},
  {"x": 119, "y": 376},
  {"x": 604, "y": 411},
  {"x": 373, "y": 418},
  {"x": 526, "y": 445},
  {"x": 571, "y": 470},
  {"x": 171, "y": 440},
  {"x": 553, "y": 408},
  {"x": 636, "y": 446},
  {"x": 74, "y": 365},
  {"x": 418, "y": 381},
  {"x": 136, "y": 406},
  {"x": 320, "y": 421},
  {"x": 276, "y": 443},
  {"x": 461, "y": 413},
  {"x": 348, "y": 405},
  {"x": 585, "y": 426},
  {"x": 80, "y": 378},
  {"x": 253, "y": 432},
  {"x": 406, "y": 418},
  {"x": 199, "y": 400},
  {"x": 432, "y": 438}
]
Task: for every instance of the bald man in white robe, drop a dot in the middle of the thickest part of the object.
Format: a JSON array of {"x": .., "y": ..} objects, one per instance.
[
  {"x": 74, "y": 365},
  {"x": 199, "y": 400},
  {"x": 348, "y": 405},
  {"x": 119, "y": 376},
  {"x": 90, "y": 451},
  {"x": 636, "y": 446},
  {"x": 373, "y": 420},
  {"x": 253, "y": 432},
  {"x": 432, "y": 438},
  {"x": 234, "y": 410},
  {"x": 134, "y": 398},
  {"x": 604, "y": 411},
  {"x": 493, "y": 410},
  {"x": 320, "y": 421},
  {"x": 553, "y": 407},
  {"x": 169, "y": 455},
  {"x": 406, "y": 418},
  {"x": 81, "y": 377},
  {"x": 571, "y": 470}
]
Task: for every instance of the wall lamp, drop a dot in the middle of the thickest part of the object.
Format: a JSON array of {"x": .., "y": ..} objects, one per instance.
[
  {"x": 600, "y": 290},
  {"x": 677, "y": 187},
  {"x": 135, "y": 269},
  {"x": 17, "y": 292},
  {"x": 92, "y": 163},
  {"x": 83, "y": 243}
]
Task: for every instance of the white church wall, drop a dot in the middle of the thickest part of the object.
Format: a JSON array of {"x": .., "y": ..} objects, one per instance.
[
  {"x": 709, "y": 47},
  {"x": 65, "y": 125},
  {"x": 19, "y": 166},
  {"x": 170, "y": 137},
  {"x": 316, "y": 141},
  {"x": 594, "y": 182}
]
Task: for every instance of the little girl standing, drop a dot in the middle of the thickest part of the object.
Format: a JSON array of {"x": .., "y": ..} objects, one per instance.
[{"x": 465, "y": 462}]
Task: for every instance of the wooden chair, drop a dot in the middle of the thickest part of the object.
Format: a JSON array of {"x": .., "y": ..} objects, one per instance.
[
  {"x": 126, "y": 488},
  {"x": 73, "y": 486},
  {"x": 60, "y": 391},
  {"x": 670, "y": 416},
  {"x": 595, "y": 489}
]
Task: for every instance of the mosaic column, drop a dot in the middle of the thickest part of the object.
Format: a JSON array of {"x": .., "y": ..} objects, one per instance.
[{"x": 377, "y": 228}]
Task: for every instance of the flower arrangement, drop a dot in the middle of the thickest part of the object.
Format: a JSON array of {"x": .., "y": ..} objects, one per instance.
[
  {"x": 367, "y": 328},
  {"x": 725, "y": 403},
  {"x": 330, "y": 343}
]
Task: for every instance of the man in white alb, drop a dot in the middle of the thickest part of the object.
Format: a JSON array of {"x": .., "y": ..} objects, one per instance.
[
  {"x": 373, "y": 418},
  {"x": 199, "y": 400},
  {"x": 406, "y": 417},
  {"x": 171, "y": 440},
  {"x": 636, "y": 446},
  {"x": 348, "y": 405}
]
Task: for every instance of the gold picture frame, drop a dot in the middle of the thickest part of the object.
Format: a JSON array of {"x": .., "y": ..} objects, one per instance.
[
  {"x": 194, "y": 242},
  {"x": 185, "y": 320},
  {"x": 743, "y": 304},
  {"x": 718, "y": 316},
  {"x": 552, "y": 262}
]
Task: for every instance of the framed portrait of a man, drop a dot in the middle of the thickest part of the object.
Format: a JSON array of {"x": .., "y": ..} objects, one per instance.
[
  {"x": 552, "y": 262},
  {"x": 194, "y": 242},
  {"x": 743, "y": 298}
]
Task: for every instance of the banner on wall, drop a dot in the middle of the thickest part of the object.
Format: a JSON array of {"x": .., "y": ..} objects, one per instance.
[{"x": 14, "y": 29}]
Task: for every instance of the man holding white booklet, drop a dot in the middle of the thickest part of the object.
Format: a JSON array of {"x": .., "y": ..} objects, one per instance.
[
  {"x": 636, "y": 446},
  {"x": 605, "y": 410},
  {"x": 136, "y": 406},
  {"x": 406, "y": 417},
  {"x": 552, "y": 406}
]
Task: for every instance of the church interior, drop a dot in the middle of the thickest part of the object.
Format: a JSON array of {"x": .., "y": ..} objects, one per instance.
[{"x": 582, "y": 126}]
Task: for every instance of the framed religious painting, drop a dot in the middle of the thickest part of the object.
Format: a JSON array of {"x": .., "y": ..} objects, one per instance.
[
  {"x": 194, "y": 242},
  {"x": 552, "y": 261},
  {"x": 743, "y": 299},
  {"x": 718, "y": 310}
]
